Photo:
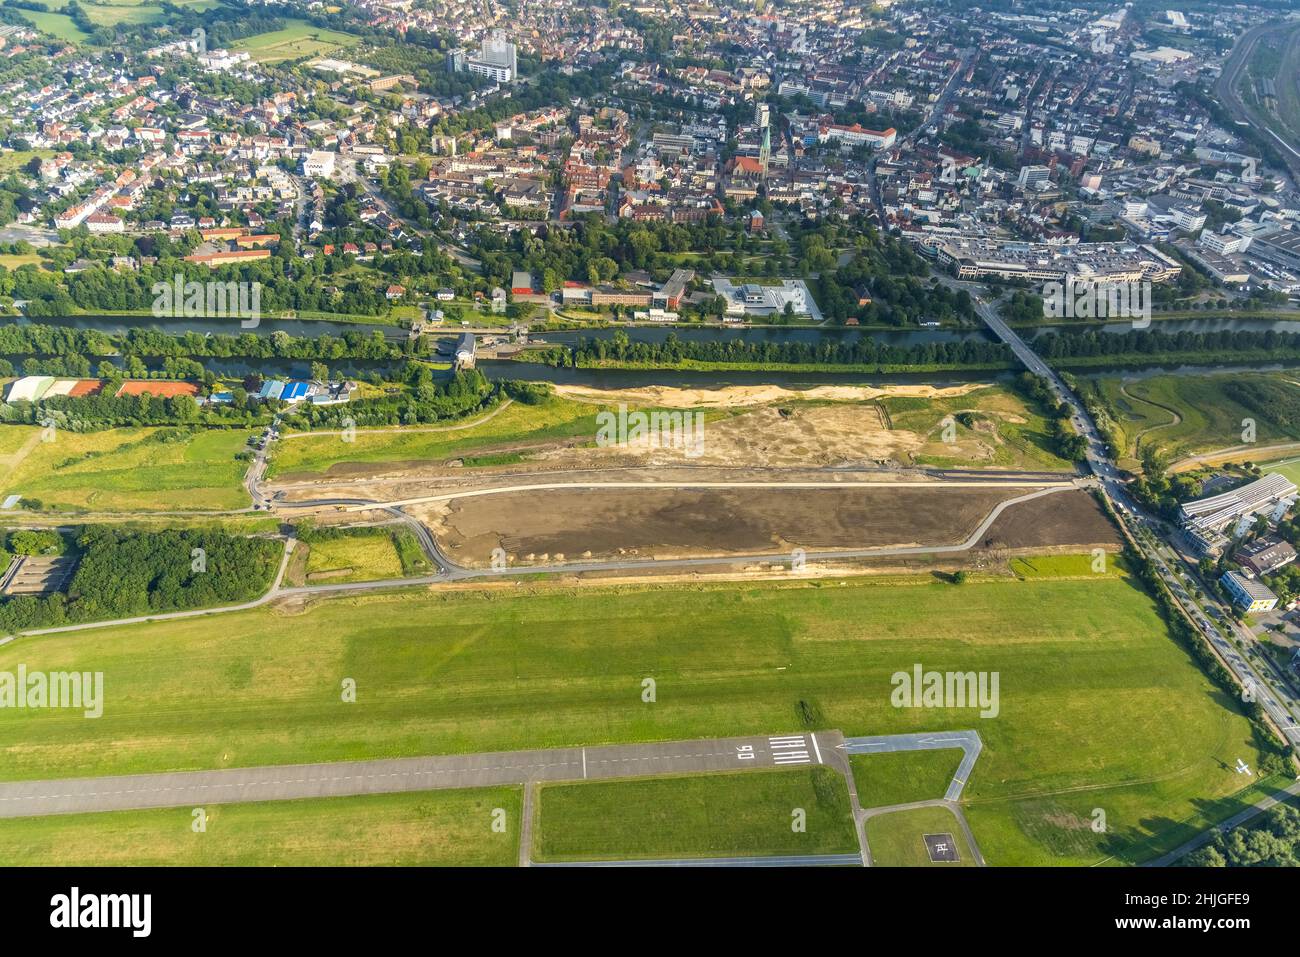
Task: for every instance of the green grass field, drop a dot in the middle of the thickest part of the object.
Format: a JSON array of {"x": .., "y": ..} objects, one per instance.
[
  {"x": 1098, "y": 706},
  {"x": 1004, "y": 432},
  {"x": 354, "y": 558},
  {"x": 11, "y": 160},
  {"x": 57, "y": 25},
  {"x": 299, "y": 39},
  {"x": 427, "y": 828},
  {"x": 747, "y": 814},
  {"x": 1290, "y": 467},
  {"x": 109, "y": 13},
  {"x": 899, "y": 777},
  {"x": 553, "y": 419},
  {"x": 121, "y": 470},
  {"x": 1182, "y": 414},
  {"x": 1067, "y": 566},
  {"x": 897, "y": 839}
]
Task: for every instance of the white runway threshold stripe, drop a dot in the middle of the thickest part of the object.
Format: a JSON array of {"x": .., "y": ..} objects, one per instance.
[{"x": 789, "y": 749}]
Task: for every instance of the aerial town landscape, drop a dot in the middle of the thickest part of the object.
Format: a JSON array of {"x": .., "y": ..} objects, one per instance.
[{"x": 643, "y": 432}]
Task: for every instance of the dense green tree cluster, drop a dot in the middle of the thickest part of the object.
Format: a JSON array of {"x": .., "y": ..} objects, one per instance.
[
  {"x": 287, "y": 282},
  {"x": 47, "y": 340},
  {"x": 105, "y": 411},
  {"x": 1153, "y": 342},
  {"x": 862, "y": 349},
  {"x": 1070, "y": 445},
  {"x": 890, "y": 272},
  {"x": 34, "y": 541},
  {"x": 122, "y": 574},
  {"x": 1272, "y": 840},
  {"x": 423, "y": 401}
]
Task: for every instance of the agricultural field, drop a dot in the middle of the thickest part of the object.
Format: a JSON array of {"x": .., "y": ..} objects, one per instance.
[
  {"x": 146, "y": 469},
  {"x": 299, "y": 39},
  {"x": 897, "y": 839},
  {"x": 1187, "y": 414},
  {"x": 899, "y": 777},
  {"x": 420, "y": 828},
  {"x": 747, "y": 814},
  {"x": 552, "y": 420},
  {"x": 1098, "y": 706}
]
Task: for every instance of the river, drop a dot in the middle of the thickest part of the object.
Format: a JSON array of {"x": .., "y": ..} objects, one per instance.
[{"x": 606, "y": 378}]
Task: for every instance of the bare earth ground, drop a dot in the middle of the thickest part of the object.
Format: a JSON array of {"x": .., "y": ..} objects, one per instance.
[
  {"x": 416, "y": 485},
  {"x": 1067, "y": 522},
  {"x": 560, "y": 525},
  {"x": 736, "y": 396},
  {"x": 758, "y": 426},
  {"x": 1067, "y": 518}
]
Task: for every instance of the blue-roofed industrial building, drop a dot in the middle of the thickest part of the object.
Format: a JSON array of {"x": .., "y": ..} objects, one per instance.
[{"x": 295, "y": 391}]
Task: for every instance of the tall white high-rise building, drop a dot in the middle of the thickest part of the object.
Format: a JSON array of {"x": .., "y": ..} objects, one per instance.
[{"x": 498, "y": 58}]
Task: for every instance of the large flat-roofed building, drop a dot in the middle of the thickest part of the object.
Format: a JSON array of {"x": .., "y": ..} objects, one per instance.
[
  {"x": 1216, "y": 512},
  {"x": 1246, "y": 594},
  {"x": 767, "y": 300},
  {"x": 670, "y": 295},
  {"x": 1280, "y": 247},
  {"x": 1034, "y": 177},
  {"x": 857, "y": 135},
  {"x": 613, "y": 296},
  {"x": 979, "y": 258},
  {"x": 679, "y": 144},
  {"x": 318, "y": 163},
  {"x": 226, "y": 257}
]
